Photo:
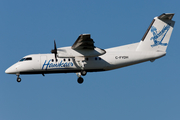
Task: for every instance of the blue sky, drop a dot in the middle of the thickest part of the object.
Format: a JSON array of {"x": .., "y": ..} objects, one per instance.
[{"x": 147, "y": 91}]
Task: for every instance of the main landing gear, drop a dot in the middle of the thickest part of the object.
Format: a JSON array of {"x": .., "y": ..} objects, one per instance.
[{"x": 80, "y": 80}]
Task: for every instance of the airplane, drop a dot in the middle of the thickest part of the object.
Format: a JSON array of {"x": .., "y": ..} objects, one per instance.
[{"x": 83, "y": 56}]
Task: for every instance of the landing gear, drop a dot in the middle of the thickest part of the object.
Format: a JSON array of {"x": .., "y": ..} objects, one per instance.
[
  {"x": 83, "y": 72},
  {"x": 80, "y": 80},
  {"x": 18, "y": 78}
]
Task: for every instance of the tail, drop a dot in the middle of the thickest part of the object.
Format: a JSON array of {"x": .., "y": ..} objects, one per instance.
[{"x": 158, "y": 34}]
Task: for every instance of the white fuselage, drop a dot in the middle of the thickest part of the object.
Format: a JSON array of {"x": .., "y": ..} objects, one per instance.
[{"x": 116, "y": 57}]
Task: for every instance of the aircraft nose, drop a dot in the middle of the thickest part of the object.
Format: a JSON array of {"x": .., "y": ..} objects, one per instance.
[{"x": 11, "y": 70}]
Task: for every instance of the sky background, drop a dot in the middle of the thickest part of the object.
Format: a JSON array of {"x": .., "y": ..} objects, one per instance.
[{"x": 146, "y": 91}]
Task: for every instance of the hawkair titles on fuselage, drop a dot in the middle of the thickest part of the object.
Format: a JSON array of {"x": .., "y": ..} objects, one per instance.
[{"x": 56, "y": 65}]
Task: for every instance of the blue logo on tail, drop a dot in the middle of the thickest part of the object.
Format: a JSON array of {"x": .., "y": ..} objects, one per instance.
[{"x": 159, "y": 37}]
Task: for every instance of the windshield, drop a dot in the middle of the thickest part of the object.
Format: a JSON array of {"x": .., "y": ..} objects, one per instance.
[{"x": 25, "y": 59}]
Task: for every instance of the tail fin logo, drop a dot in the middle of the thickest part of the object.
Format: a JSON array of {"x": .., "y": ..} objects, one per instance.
[{"x": 158, "y": 37}]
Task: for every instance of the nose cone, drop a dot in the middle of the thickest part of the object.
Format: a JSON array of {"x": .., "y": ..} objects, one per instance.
[{"x": 11, "y": 70}]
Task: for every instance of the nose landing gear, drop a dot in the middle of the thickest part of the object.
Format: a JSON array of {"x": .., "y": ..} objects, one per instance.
[{"x": 18, "y": 78}]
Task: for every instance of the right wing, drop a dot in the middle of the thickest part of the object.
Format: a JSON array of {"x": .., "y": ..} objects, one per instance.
[
  {"x": 84, "y": 41},
  {"x": 85, "y": 46}
]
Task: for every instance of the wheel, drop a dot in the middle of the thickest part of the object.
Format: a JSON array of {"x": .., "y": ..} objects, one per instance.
[
  {"x": 83, "y": 72},
  {"x": 18, "y": 79},
  {"x": 80, "y": 80}
]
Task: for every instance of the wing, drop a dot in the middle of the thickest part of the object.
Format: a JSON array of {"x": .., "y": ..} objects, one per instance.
[
  {"x": 84, "y": 41},
  {"x": 85, "y": 46}
]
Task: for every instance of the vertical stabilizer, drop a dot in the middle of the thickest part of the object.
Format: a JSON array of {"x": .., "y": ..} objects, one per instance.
[{"x": 158, "y": 34}]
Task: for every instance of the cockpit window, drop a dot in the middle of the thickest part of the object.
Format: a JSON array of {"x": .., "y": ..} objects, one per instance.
[
  {"x": 26, "y": 59},
  {"x": 22, "y": 59},
  {"x": 29, "y": 58}
]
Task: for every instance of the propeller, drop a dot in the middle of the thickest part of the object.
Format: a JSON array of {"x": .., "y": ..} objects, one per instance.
[{"x": 54, "y": 51}]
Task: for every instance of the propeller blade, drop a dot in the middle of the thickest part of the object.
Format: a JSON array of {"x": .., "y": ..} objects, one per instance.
[
  {"x": 54, "y": 51},
  {"x": 55, "y": 45}
]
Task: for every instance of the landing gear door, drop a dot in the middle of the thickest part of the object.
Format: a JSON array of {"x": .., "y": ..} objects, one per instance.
[{"x": 43, "y": 59}]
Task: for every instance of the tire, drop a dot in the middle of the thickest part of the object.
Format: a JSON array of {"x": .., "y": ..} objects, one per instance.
[
  {"x": 18, "y": 79},
  {"x": 83, "y": 72},
  {"x": 80, "y": 80}
]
